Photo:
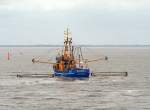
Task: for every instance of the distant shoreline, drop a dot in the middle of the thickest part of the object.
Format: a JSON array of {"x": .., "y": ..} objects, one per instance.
[{"x": 75, "y": 45}]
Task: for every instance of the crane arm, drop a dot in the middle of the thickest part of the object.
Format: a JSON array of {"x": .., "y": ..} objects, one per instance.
[
  {"x": 105, "y": 58},
  {"x": 46, "y": 62}
]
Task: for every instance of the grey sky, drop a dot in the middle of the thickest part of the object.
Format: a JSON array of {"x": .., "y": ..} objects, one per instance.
[{"x": 90, "y": 21}]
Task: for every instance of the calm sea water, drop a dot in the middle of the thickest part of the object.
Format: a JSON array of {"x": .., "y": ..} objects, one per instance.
[{"x": 96, "y": 93}]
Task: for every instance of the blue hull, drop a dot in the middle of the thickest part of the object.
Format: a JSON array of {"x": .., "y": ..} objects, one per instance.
[{"x": 75, "y": 73}]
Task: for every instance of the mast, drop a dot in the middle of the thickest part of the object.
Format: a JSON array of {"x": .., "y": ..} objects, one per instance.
[{"x": 67, "y": 43}]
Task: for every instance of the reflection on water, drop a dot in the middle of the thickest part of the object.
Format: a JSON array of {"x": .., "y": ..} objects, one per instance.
[
  {"x": 70, "y": 79},
  {"x": 95, "y": 93}
]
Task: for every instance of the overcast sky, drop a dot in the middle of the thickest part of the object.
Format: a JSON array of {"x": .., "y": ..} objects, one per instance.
[{"x": 91, "y": 21}]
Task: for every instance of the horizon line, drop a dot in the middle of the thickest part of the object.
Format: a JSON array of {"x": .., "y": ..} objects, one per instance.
[{"x": 82, "y": 45}]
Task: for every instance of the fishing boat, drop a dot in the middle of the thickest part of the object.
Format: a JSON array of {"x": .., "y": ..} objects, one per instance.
[{"x": 70, "y": 61}]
